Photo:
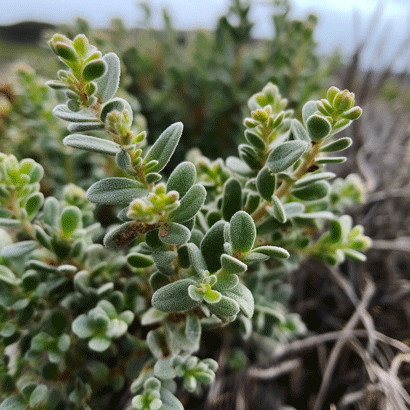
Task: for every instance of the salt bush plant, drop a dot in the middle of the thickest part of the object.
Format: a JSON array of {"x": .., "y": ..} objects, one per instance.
[{"x": 82, "y": 325}]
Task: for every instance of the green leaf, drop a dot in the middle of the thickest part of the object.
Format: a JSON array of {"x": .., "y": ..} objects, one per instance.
[
  {"x": 70, "y": 220},
  {"x": 313, "y": 192},
  {"x": 238, "y": 166},
  {"x": 353, "y": 254},
  {"x": 255, "y": 140},
  {"x": 309, "y": 179},
  {"x": 330, "y": 160},
  {"x": 34, "y": 203},
  {"x": 212, "y": 296},
  {"x": 92, "y": 144},
  {"x": 274, "y": 251},
  {"x": 277, "y": 210},
  {"x": 232, "y": 265},
  {"x": 8, "y": 222},
  {"x": 99, "y": 343},
  {"x": 196, "y": 259},
  {"x": 18, "y": 250},
  {"x": 293, "y": 209},
  {"x": 174, "y": 297},
  {"x": 169, "y": 401},
  {"x": 116, "y": 104},
  {"x": 115, "y": 191},
  {"x": 232, "y": 198},
  {"x": 255, "y": 257},
  {"x": 175, "y": 234},
  {"x": 308, "y": 110},
  {"x": 242, "y": 232},
  {"x": 138, "y": 260},
  {"x": 212, "y": 246},
  {"x": 164, "y": 146},
  {"x": 65, "y": 51},
  {"x": 85, "y": 126},
  {"x": 182, "y": 178},
  {"x": 51, "y": 211},
  {"x": 7, "y": 276},
  {"x": 190, "y": 204},
  {"x": 15, "y": 402},
  {"x": 38, "y": 395},
  {"x": 338, "y": 145},
  {"x": 93, "y": 70},
  {"x": 285, "y": 155},
  {"x": 193, "y": 329},
  {"x": 63, "y": 112},
  {"x": 243, "y": 296},
  {"x": 335, "y": 231},
  {"x": 318, "y": 127},
  {"x": 164, "y": 369},
  {"x": 107, "y": 85},
  {"x": 81, "y": 327},
  {"x": 123, "y": 161},
  {"x": 266, "y": 183},
  {"x": 249, "y": 155},
  {"x": 123, "y": 235},
  {"x": 226, "y": 307},
  {"x": 298, "y": 131}
]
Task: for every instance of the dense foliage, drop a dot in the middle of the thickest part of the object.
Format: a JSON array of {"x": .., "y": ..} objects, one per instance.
[{"x": 205, "y": 252}]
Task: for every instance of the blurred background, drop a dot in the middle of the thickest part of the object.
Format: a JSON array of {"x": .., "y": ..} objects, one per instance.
[{"x": 198, "y": 61}]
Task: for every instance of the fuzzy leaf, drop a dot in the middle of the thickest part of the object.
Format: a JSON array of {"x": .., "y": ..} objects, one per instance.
[
  {"x": 335, "y": 231},
  {"x": 274, "y": 251},
  {"x": 242, "y": 232},
  {"x": 85, "y": 126},
  {"x": 266, "y": 183},
  {"x": 7, "y": 276},
  {"x": 63, "y": 112},
  {"x": 313, "y": 192},
  {"x": 285, "y": 155},
  {"x": 293, "y": 209},
  {"x": 92, "y": 144},
  {"x": 139, "y": 260},
  {"x": 196, "y": 259},
  {"x": 99, "y": 343},
  {"x": 330, "y": 160},
  {"x": 318, "y": 127},
  {"x": 309, "y": 179},
  {"x": 338, "y": 145},
  {"x": 182, "y": 178},
  {"x": 238, "y": 166},
  {"x": 190, "y": 204},
  {"x": 107, "y": 85},
  {"x": 212, "y": 246},
  {"x": 226, "y": 307},
  {"x": 255, "y": 140},
  {"x": 175, "y": 234},
  {"x": 116, "y": 104},
  {"x": 298, "y": 131},
  {"x": 164, "y": 147},
  {"x": 308, "y": 110},
  {"x": 70, "y": 220},
  {"x": 277, "y": 210},
  {"x": 232, "y": 198},
  {"x": 38, "y": 395},
  {"x": 243, "y": 296},
  {"x": 115, "y": 191},
  {"x": 33, "y": 204},
  {"x": 17, "y": 250},
  {"x": 169, "y": 401},
  {"x": 15, "y": 402},
  {"x": 193, "y": 328},
  {"x": 174, "y": 297},
  {"x": 93, "y": 70},
  {"x": 232, "y": 265},
  {"x": 123, "y": 235}
]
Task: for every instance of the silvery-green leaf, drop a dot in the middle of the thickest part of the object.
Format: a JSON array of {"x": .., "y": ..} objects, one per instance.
[
  {"x": 318, "y": 127},
  {"x": 81, "y": 327},
  {"x": 226, "y": 281},
  {"x": 63, "y": 112},
  {"x": 338, "y": 145},
  {"x": 313, "y": 192},
  {"x": 99, "y": 343},
  {"x": 232, "y": 198},
  {"x": 85, "y": 126},
  {"x": 115, "y": 191},
  {"x": 123, "y": 161},
  {"x": 153, "y": 177},
  {"x": 298, "y": 131},
  {"x": 15, "y": 402},
  {"x": 308, "y": 110},
  {"x": 249, "y": 155},
  {"x": 17, "y": 250},
  {"x": 356, "y": 255},
  {"x": 232, "y": 265},
  {"x": 255, "y": 140},
  {"x": 7, "y": 276},
  {"x": 293, "y": 209},
  {"x": 182, "y": 178},
  {"x": 242, "y": 232},
  {"x": 152, "y": 316},
  {"x": 277, "y": 210},
  {"x": 169, "y": 401},
  {"x": 51, "y": 211},
  {"x": 122, "y": 235},
  {"x": 243, "y": 296},
  {"x": 33, "y": 204},
  {"x": 196, "y": 259},
  {"x": 190, "y": 204},
  {"x": 238, "y": 166},
  {"x": 93, "y": 70},
  {"x": 335, "y": 231},
  {"x": 8, "y": 222},
  {"x": 315, "y": 215},
  {"x": 139, "y": 260},
  {"x": 226, "y": 307},
  {"x": 193, "y": 328},
  {"x": 330, "y": 160},
  {"x": 212, "y": 246},
  {"x": 107, "y": 85},
  {"x": 266, "y": 183},
  {"x": 310, "y": 178},
  {"x": 174, "y": 297},
  {"x": 274, "y": 251},
  {"x": 175, "y": 234},
  {"x": 255, "y": 257},
  {"x": 70, "y": 220},
  {"x": 154, "y": 342},
  {"x": 92, "y": 144},
  {"x": 116, "y": 104},
  {"x": 164, "y": 369},
  {"x": 285, "y": 155},
  {"x": 164, "y": 146},
  {"x": 38, "y": 396},
  {"x": 164, "y": 260}
]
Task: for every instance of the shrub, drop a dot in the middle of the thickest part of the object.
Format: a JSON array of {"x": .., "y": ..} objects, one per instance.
[{"x": 82, "y": 324}]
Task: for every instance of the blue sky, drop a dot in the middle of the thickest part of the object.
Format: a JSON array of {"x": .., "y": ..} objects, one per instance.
[{"x": 335, "y": 27}]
